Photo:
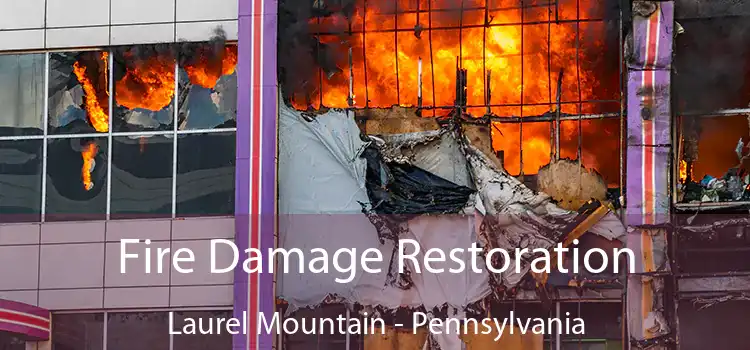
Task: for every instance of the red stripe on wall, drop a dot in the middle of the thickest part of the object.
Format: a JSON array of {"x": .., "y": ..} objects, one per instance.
[
  {"x": 21, "y": 318},
  {"x": 255, "y": 116},
  {"x": 649, "y": 172}
]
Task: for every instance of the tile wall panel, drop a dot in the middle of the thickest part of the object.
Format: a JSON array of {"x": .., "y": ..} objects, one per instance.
[
  {"x": 73, "y": 268},
  {"x": 77, "y": 13},
  {"x": 56, "y": 24},
  {"x": 142, "y": 11},
  {"x": 24, "y": 14},
  {"x": 19, "y": 267}
]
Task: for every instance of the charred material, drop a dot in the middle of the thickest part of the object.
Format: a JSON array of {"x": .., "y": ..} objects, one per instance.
[{"x": 403, "y": 189}]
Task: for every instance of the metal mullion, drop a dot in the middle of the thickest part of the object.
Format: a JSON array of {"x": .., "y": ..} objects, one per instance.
[
  {"x": 45, "y": 123},
  {"x": 110, "y": 100},
  {"x": 142, "y": 133},
  {"x": 174, "y": 136},
  {"x": 716, "y": 113},
  {"x": 21, "y": 137},
  {"x": 77, "y": 136},
  {"x": 205, "y": 131},
  {"x": 104, "y": 331}
]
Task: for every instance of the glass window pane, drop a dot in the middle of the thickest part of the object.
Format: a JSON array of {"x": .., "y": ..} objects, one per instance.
[
  {"x": 144, "y": 88},
  {"x": 208, "y": 77},
  {"x": 141, "y": 330},
  {"x": 78, "y": 92},
  {"x": 21, "y": 94},
  {"x": 205, "y": 174},
  {"x": 602, "y": 320},
  {"x": 218, "y": 339},
  {"x": 141, "y": 176},
  {"x": 20, "y": 180},
  {"x": 76, "y": 178},
  {"x": 78, "y": 331},
  {"x": 10, "y": 342}
]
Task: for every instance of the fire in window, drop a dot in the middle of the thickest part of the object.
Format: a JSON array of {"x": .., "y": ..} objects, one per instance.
[
  {"x": 712, "y": 95},
  {"x": 545, "y": 76}
]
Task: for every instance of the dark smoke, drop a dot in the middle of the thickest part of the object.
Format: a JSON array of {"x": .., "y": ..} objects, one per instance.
[
  {"x": 185, "y": 53},
  {"x": 302, "y": 56},
  {"x": 711, "y": 56}
]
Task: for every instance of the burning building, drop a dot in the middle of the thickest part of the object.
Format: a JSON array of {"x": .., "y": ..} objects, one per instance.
[
  {"x": 440, "y": 117},
  {"x": 330, "y": 124}
]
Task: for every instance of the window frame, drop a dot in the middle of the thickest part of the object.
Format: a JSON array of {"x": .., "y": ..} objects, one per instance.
[
  {"x": 105, "y": 317},
  {"x": 174, "y": 133}
]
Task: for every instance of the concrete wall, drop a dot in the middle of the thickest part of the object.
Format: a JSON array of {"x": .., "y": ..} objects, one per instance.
[
  {"x": 39, "y": 24},
  {"x": 76, "y": 265}
]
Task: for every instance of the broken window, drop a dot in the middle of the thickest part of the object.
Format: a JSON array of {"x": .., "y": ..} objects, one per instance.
[
  {"x": 86, "y": 165},
  {"x": 144, "y": 88},
  {"x": 711, "y": 91},
  {"x": 404, "y": 116},
  {"x": 544, "y": 76},
  {"x": 78, "y": 92},
  {"x": 211, "y": 79}
]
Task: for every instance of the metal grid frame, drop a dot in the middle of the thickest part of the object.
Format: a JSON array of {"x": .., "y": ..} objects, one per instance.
[
  {"x": 173, "y": 134},
  {"x": 554, "y": 118}
]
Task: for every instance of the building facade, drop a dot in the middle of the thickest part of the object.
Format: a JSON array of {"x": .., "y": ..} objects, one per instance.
[
  {"x": 124, "y": 120},
  {"x": 184, "y": 121}
]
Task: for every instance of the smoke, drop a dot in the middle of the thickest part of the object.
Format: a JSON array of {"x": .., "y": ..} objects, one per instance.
[
  {"x": 130, "y": 57},
  {"x": 711, "y": 64},
  {"x": 302, "y": 55}
]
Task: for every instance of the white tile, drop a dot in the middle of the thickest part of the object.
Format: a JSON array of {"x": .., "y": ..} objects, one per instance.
[
  {"x": 21, "y": 296},
  {"x": 202, "y": 10},
  {"x": 71, "y": 299},
  {"x": 78, "y": 37},
  {"x": 136, "y": 297},
  {"x": 22, "y": 14},
  {"x": 73, "y": 232},
  {"x": 135, "y": 268},
  {"x": 202, "y": 267},
  {"x": 142, "y": 34},
  {"x": 22, "y": 39},
  {"x": 19, "y": 267},
  {"x": 72, "y": 266},
  {"x": 142, "y": 11},
  {"x": 12, "y": 234},
  {"x": 155, "y": 230},
  {"x": 202, "y": 296},
  {"x": 202, "y": 228},
  {"x": 77, "y": 13},
  {"x": 202, "y": 31}
]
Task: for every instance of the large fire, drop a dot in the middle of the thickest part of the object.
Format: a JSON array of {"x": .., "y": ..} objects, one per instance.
[
  {"x": 207, "y": 71},
  {"x": 150, "y": 85},
  {"x": 95, "y": 110},
  {"x": 524, "y": 65}
]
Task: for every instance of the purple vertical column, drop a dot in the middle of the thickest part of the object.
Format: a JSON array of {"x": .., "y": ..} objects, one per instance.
[
  {"x": 649, "y": 147},
  {"x": 255, "y": 211}
]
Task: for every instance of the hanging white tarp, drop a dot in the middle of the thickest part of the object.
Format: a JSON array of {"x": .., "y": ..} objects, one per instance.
[{"x": 322, "y": 190}]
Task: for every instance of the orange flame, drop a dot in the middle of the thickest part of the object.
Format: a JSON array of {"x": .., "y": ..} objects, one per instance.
[
  {"x": 524, "y": 64},
  {"x": 208, "y": 70},
  {"x": 683, "y": 171},
  {"x": 97, "y": 116},
  {"x": 150, "y": 85},
  {"x": 88, "y": 154}
]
